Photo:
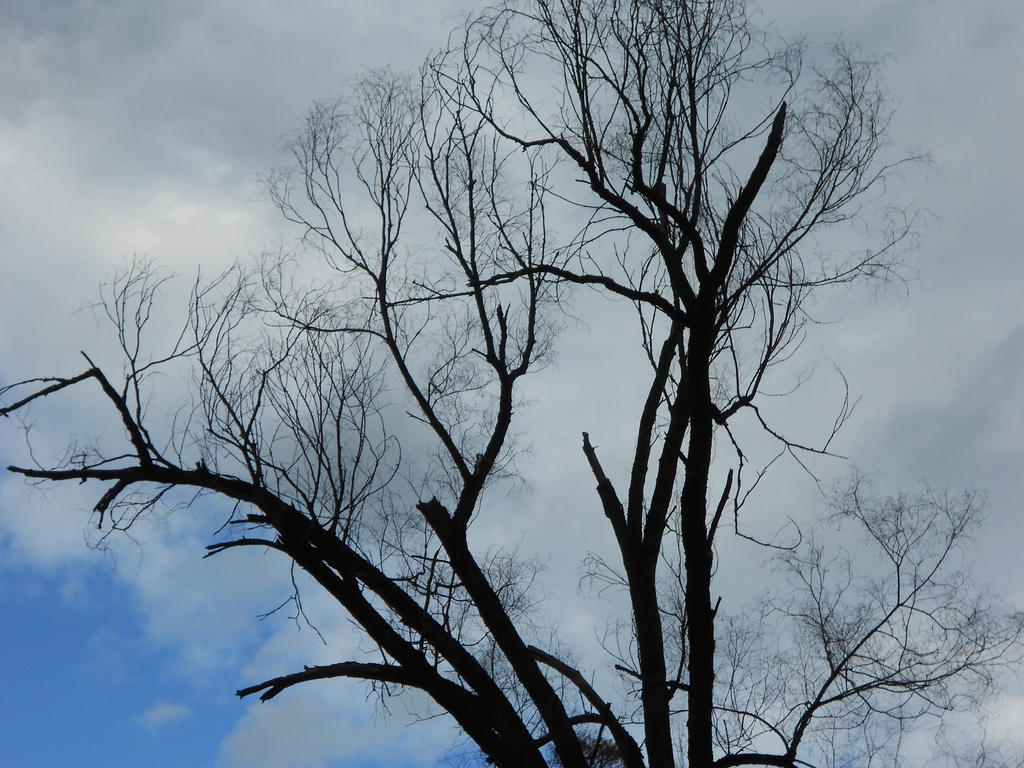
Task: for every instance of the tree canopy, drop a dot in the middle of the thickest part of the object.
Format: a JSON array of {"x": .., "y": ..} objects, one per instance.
[{"x": 360, "y": 416}]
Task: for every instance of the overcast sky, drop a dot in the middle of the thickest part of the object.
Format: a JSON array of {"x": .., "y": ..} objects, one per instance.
[{"x": 138, "y": 126}]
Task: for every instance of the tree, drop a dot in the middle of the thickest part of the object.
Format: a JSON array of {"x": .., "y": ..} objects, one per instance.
[{"x": 698, "y": 171}]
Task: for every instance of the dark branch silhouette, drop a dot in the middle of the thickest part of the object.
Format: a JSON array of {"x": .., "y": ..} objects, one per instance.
[{"x": 686, "y": 165}]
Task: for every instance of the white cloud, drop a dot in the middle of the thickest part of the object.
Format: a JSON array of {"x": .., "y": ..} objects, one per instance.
[
  {"x": 1007, "y": 722},
  {"x": 309, "y": 727},
  {"x": 161, "y": 714}
]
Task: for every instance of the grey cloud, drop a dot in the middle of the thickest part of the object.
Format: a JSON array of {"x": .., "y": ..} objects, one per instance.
[
  {"x": 972, "y": 437},
  {"x": 151, "y": 89},
  {"x": 964, "y": 436}
]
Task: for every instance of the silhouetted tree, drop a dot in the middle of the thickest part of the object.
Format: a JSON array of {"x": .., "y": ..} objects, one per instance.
[
  {"x": 671, "y": 154},
  {"x": 599, "y": 751}
]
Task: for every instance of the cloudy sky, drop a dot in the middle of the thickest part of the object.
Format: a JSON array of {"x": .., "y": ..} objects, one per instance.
[{"x": 141, "y": 127}]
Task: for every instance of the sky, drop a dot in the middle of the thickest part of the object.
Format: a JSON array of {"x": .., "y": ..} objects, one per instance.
[{"x": 144, "y": 127}]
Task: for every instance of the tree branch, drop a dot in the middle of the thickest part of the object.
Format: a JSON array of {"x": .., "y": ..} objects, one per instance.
[{"x": 384, "y": 673}]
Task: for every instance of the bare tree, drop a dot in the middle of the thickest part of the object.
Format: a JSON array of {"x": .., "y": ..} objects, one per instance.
[
  {"x": 708, "y": 170},
  {"x": 600, "y": 751}
]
